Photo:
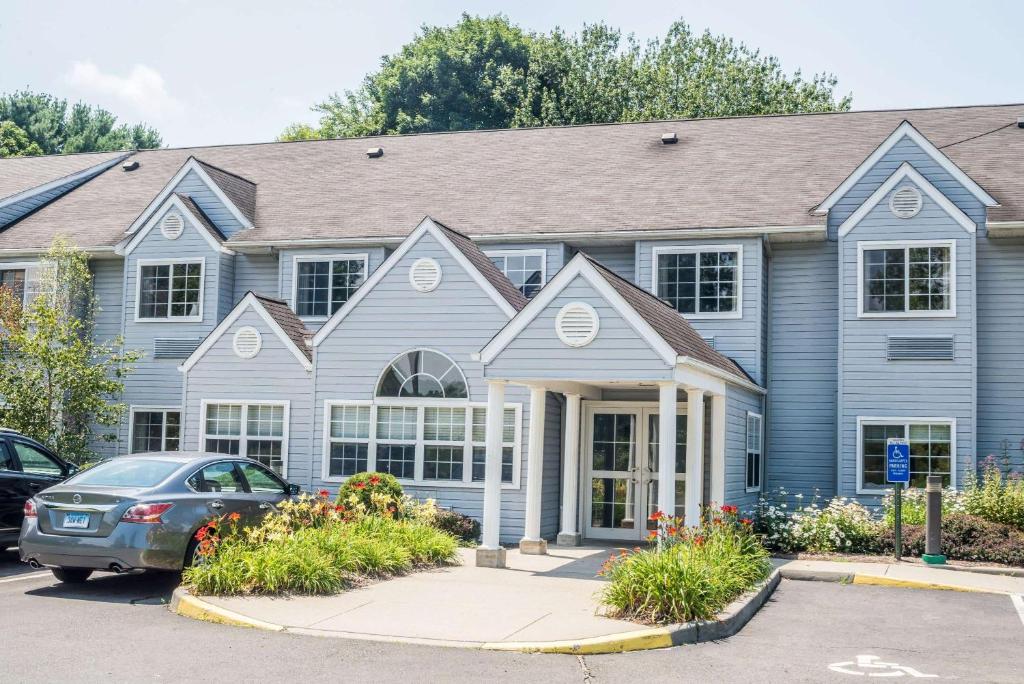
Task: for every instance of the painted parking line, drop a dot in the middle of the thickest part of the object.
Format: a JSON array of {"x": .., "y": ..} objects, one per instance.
[
  {"x": 1018, "y": 603},
  {"x": 31, "y": 575}
]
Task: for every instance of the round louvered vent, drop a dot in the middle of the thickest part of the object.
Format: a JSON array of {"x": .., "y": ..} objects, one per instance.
[
  {"x": 425, "y": 275},
  {"x": 248, "y": 342},
  {"x": 172, "y": 226},
  {"x": 905, "y": 202},
  {"x": 577, "y": 324}
]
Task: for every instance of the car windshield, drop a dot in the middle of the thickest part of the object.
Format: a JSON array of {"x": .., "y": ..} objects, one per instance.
[{"x": 127, "y": 472}]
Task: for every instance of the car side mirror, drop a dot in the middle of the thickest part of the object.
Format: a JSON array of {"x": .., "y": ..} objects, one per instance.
[
  {"x": 294, "y": 490},
  {"x": 72, "y": 469}
]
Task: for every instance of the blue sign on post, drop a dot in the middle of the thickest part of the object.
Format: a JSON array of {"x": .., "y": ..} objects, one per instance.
[{"x": 897, "y": 460}]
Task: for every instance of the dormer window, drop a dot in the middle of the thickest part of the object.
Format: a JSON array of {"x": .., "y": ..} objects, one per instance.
[
  {"x": 524, "y": 267},
  {"x": 170, "y": 290},
  {"x": 701, "y": 282}
]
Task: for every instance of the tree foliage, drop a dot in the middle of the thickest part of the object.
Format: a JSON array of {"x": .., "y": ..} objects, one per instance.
[
  {"x": 52, "y": 127},
  {"x": 14, "y": 142},
  {"x": 59, "y": 383},
  {"x": 489, "y": 73}
]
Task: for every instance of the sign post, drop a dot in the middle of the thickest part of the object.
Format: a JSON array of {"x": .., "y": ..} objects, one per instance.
[{"x": 897, "y": 471}]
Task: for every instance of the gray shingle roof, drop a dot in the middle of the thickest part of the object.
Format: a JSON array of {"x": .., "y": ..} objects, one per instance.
[
  {"x": 731, "y": 172},
  {"x": 667, "y": 322},
  {"x": 292, "y": 325},
  {"x": 488, "y": 270},
  {"x": 200, "y": 216},
  {"x": 240, "y": 191},
  {"x": 19, "y": 174}
]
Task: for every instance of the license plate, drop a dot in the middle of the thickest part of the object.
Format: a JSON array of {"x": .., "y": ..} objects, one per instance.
[{"x": 76, "y": 520}]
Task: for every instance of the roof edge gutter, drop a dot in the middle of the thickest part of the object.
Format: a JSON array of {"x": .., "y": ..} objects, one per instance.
[
  {"x": 999, "y": 229},
  {"x": 720, "y": 374}
]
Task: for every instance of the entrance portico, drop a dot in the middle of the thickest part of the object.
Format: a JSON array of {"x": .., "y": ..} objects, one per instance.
[{"x": 638, "y": 384}]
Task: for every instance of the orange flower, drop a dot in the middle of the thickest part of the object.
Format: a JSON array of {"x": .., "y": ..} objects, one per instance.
[
  {"x": 747, "y": 521},
  {"x": 656, "y": 516},
  {"x": 374, "y": 480},
  {"x": 652, "y": 536},
  {"x": 235, "y": 516},
  {"x": 201, "y": 533},
  {"x": 324, "y": 493},
  {"x": 359, "y": 485},
  {"x": 698, "y": 540},
  {"x": 339, "y": 508},
  {"x": 729, "y": 509}
]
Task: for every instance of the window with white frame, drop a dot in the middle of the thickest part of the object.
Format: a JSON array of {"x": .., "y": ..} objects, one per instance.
[
  {"x": 913, "y": 278},
  {"x": 524, "y": 267},
  {"x": 155, "y": 429},
  {"x": 508, "y": 443},
  {"x": 932, "y": 450},
  {"x": 324, "y": 284},
  {"x": 13, "y": 280},
  {"x": 170, "y": 290},
  {"x": 704, "y": 281},
  {"x": 256, "y": 430},
  {"x": 755, "y": 450}
]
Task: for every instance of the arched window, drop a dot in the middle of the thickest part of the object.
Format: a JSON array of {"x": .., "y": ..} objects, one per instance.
[{"x": 423, "y": 374}]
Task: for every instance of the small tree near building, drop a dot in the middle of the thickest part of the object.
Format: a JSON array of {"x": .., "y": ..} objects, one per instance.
[{"x": 58, "y": 384}]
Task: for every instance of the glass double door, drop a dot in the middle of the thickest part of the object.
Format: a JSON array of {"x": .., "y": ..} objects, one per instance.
[{"x": 621, "y": 469}]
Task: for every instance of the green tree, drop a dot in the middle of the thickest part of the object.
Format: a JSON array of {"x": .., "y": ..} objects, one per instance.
[
  {"x": 56, "y": 128},
  {"x": 59, "y": 384},
  {"x": 489, "y": 73},
  {"x": 14, "y": 142}
]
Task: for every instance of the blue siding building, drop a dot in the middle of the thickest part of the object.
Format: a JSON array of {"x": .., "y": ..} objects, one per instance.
[{"x": 560, "y": 331}]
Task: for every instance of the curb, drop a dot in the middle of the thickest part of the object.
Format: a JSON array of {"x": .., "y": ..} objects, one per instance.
[
  {"x": 873, "y": 580},
  {"x": 736, "y": 615}
]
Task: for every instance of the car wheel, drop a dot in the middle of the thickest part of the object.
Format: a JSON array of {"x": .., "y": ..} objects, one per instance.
[
  {"x": 192, "y": 556},
  {"x": 71, "y": 575}
]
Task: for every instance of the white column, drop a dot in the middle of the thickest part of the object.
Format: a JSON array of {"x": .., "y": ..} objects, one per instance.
[
  {"x": 694, "y": 454},
  {"x": 490, "y": 553},
  {"x": 718, "y": 448},
  {"x": 667, "y": 448},
  {"x": 568, "y": 534},
  {"x": 531, "y": 542}
]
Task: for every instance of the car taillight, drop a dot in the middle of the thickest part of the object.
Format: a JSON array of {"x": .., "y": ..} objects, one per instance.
[
  {"x": 146, "y": 513},
  {"x": 30, "y": 508}
]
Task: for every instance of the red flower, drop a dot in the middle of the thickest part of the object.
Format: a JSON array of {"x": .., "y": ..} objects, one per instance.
[
  {"x": 747, "y": 521},
  {"x": 234, "y": 517},
  {"x": 656, "y": 516},
  {"x": 323, "y": 493},
  {"x": 201, "y": 533},
  {"x": 729, "y": 509},
  {"x": 339, "y": 508},
  {"x": 374, "y": 480},
  {"x": 359, "y": 485},
  {"x": 698, "y": 540},
  {"x": 671, "y": 530},
  {"x": 652, "y": 536}
]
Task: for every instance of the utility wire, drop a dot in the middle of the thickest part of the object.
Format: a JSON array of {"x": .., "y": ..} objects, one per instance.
[{"x": 980, "y": 135}]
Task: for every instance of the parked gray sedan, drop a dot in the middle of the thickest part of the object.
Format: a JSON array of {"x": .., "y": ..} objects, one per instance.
[{"x": 142, "y": 511}]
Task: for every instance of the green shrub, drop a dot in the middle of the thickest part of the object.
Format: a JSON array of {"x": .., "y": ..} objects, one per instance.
[
  {"x": 964, "y": 537},
  {"x": 375, "y": 492},
  {"x": 995, "y": 497},
  {"x": 692, "y": 578},
  {"x": 460, "y": 526},
  {"x": 842, "y": 525},
  {"x": 313, "y": 547},
  {"x": 914, "y": 506}
]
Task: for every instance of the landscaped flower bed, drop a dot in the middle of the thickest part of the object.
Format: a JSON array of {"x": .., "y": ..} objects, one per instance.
[
  {"x": 316, "y": 546},
  {"x": 688, "y": 573}
]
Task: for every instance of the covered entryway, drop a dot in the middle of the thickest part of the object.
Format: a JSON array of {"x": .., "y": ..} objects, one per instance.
[{"x": 620, "y": 468}]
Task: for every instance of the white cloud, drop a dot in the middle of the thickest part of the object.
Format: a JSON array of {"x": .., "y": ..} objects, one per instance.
[{"x": 142, "y": 89}]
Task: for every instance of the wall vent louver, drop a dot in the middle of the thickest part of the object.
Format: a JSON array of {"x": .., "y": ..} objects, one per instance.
[
  {"x": 172, "y": 226},
  {"x": 904, "y": 348},
  {"x": 174, "y": 347},
  {"x": 425, "y": 275},
  {"x": 906, "y": 202},
  {"x": 247, "y": 342},
  {"x": 710, "y": 341},
  {"x": 577, "y": 324}
]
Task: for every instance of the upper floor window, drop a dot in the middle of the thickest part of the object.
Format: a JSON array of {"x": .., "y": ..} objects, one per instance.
[
  {"x": 423, "y": 374},
  {"x": 14, "y": 281},
  {"x": 170, "y": 290},
  {"x": 906, "y": 279},
  {"x": 324, "y": 283},
  {"x": 524, "y": 267},
  {"x": 703, "y": 281}
]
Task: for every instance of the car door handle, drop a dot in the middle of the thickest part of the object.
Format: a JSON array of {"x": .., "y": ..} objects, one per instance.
[
  {"x": 266, "y": 506},
  {"x": 35, "y": 485},
  {"x": 216, "y": 504}
]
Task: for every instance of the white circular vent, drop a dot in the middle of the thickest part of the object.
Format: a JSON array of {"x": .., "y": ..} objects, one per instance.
[
  {"x": 425, "y": 275},
  {"x": 905, "y": 202},
  {"x": 172, "y": 226},
  {"x": 577, "y": 324},
  {"x": 247, "y": 342}
]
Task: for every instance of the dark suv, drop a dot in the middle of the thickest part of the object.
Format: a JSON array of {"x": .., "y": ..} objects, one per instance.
[{"x": 26, "y": 467}]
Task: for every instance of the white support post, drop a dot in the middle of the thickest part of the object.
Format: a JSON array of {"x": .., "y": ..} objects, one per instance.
[
  {"x": 694, "y": 455},
  {"x": 667, "y": 448},
  {"x": 490, "y": 554},
  {"x": 532, "y": 543},
  {"x": 568, "y": 535},
  {"x": 718, "y": 448}
]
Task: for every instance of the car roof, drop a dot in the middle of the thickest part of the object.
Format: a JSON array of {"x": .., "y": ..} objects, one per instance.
[{"x": 183, "y": 456}]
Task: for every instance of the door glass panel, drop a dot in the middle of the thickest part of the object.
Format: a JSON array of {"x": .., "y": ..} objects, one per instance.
[
  {"x": 652, "y": 443},
  {"x": 614, "y": 440},
  {"x": 652, "y": 501},
  {"x": 612, "y": 503}
]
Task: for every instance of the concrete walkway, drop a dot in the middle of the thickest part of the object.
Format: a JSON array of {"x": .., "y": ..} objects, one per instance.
[{"x": 536, "y": 599}]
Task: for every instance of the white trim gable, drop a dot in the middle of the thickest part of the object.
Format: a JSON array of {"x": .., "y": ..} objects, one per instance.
[
  {"x": 128, "y": 246},
  {"x": 249, "y": 301},
  {"x": 425, "y": 226},
  {"x": 907, "y": 172},
  {"x": 577, "y": 266},
  {"x": 905, "y": 130},
  {"x": 191, "y": 165}
]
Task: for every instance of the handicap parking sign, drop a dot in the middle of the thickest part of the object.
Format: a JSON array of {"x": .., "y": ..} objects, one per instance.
[{"x": 897, "y": 460}]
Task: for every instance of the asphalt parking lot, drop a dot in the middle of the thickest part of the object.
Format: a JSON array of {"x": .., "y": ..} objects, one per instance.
[{"x": 117, "y": 628}]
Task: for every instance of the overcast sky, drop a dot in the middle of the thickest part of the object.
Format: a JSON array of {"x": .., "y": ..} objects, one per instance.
[{"x": 218, "y": 71}]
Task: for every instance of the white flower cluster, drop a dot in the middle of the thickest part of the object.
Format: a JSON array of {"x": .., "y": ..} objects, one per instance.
[{"x": 840, "y": 525}]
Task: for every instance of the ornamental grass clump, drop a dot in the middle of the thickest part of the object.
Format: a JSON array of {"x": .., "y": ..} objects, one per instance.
[
  {"x": 314, "y": 546},
  {"x": 687, "y": 573},
  {"x": 994, "y": 496}
]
